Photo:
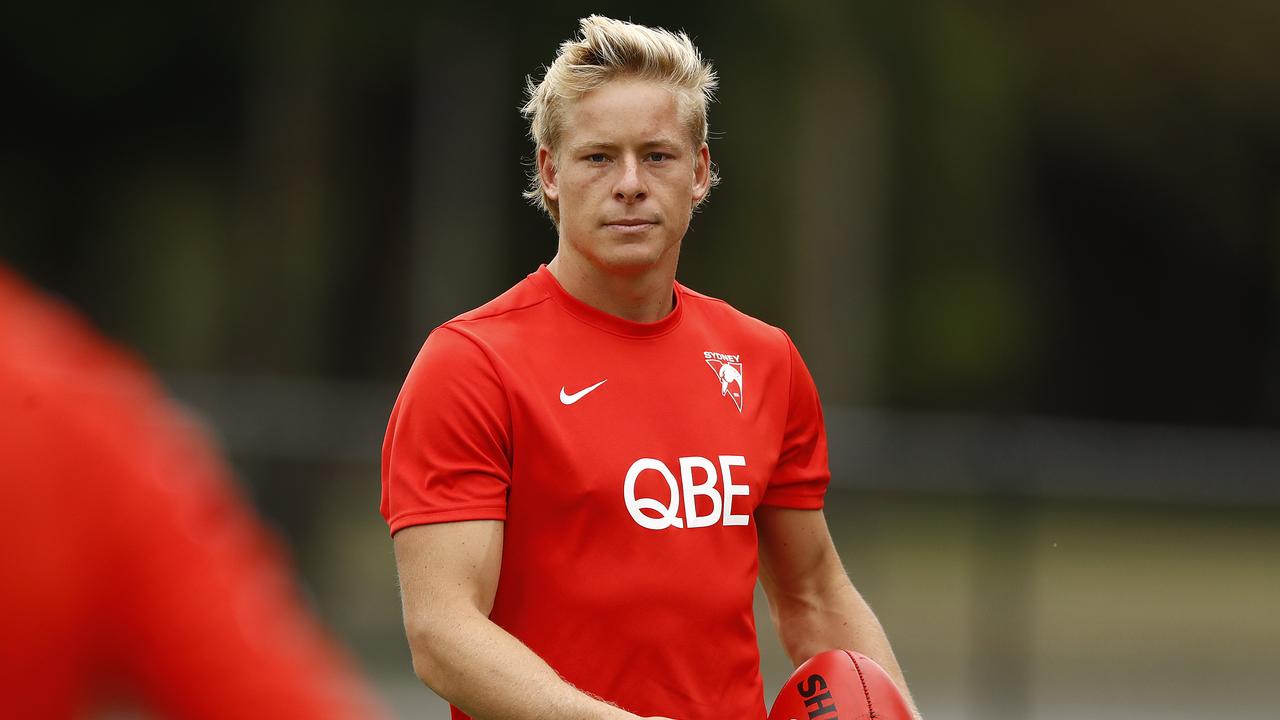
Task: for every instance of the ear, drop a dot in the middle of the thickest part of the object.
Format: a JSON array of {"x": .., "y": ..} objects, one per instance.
[
  {"x": 547, "y": 172},
  {"x": 701, "y": 173}
]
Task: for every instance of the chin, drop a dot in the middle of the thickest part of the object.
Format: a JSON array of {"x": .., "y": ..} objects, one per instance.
[
  {"x": 628, "y": 263},
  {"x": 629, "y": 258}
]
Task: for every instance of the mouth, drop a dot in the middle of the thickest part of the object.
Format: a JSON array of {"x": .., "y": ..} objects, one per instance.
[{"x": 630, "y": 225}]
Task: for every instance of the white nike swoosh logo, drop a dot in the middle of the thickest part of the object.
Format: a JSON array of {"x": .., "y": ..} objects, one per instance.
[{"x": 571, "y": 399}]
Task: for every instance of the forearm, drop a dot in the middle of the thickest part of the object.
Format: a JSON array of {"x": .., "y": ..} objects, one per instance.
[
  {"x": 836, "y": 616},
  {"x": 487, "y": 673},
  {"x": 833, "y": 617}
]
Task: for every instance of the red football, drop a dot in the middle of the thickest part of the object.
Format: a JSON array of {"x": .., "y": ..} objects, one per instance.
[{"x": 839, "y": 685}]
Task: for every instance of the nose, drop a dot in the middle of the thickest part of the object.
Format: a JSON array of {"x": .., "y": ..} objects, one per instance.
[{"x": 630, "y": 185}]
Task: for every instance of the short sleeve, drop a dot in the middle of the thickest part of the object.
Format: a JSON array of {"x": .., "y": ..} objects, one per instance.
[
  {"x": 802, "y": 474},
  {"x": 446, "y": 455}
]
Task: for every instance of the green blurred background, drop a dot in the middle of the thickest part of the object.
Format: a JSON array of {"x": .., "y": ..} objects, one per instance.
[{"x": 1031, "y": 252}]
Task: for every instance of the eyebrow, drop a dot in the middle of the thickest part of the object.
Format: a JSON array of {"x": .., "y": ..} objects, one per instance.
[{"x": 662, "y": 142}]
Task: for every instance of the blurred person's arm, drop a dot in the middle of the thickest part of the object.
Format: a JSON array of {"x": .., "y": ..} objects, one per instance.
[
  {"x": 207, "y": 610},
  {"x": 143, "y": 577},
  {"x": 448, "y": 577},
  {"x": 814, "y": 605}
]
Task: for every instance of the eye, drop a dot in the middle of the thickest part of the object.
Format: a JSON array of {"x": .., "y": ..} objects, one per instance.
[
  {"x": 596, "y": 158},
  {"x": 657, "y": 156}
]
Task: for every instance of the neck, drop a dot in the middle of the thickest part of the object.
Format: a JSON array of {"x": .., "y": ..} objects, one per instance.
[{"x": 645, "y": 296}]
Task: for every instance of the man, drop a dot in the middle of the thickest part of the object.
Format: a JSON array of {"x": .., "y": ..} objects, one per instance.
[
  {"x": 578, "y": 474},
  {"x": 135, "y": 575}
]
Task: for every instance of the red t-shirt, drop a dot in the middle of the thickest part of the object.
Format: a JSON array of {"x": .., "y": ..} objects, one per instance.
[
  {"x": 134, "y": 574},
  {"x": 626, "y": 460}
]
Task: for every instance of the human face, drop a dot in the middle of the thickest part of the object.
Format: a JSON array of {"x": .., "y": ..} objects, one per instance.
[{"x": 626, "y": 178}]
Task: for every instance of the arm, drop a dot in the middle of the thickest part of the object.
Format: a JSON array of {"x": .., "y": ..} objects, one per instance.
[
  {"x": 448, "y": 577},
  {"x": 813, "y": 604},
  {"x": 201, "y": 602}
]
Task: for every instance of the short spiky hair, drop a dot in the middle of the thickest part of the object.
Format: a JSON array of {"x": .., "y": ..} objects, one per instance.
[{"x": 606, "y": 50}]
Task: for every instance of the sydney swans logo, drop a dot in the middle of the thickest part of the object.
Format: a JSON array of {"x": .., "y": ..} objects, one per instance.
[{"x": 728, "y": 368}]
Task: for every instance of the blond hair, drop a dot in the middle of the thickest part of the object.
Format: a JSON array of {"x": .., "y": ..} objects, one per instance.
[{"x": 606, "y": 50}]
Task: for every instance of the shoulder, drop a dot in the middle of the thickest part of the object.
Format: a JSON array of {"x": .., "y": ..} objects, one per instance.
[
  {"x": 59, "y": 364},
  {"x": 525, "y": 296},
  {"x": 475, "y": 333},
  {"x": 462, "y": 350},
  {"x": 713, "y": 310},
  {"x": 86, "y": 403}
]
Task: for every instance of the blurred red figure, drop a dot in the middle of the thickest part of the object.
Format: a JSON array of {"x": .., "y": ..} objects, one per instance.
[{"x": 134, "y": 574}]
